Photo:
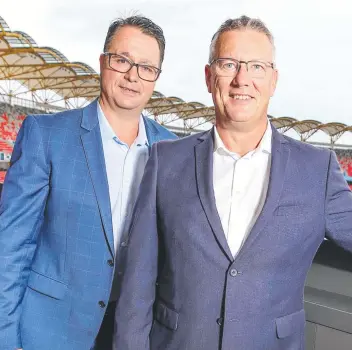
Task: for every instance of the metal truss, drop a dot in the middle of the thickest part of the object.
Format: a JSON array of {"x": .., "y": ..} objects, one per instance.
[{"x": 43, "y": 78}]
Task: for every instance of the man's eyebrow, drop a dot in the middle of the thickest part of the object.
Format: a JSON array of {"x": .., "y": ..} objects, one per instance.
[
  {"x": 149, "y": 63},
  {"x": 125, "y": 53},
  {"x": 143, "y": 61}
]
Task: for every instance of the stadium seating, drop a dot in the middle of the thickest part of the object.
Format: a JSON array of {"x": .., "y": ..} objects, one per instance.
[
  {"x": 6, "y": 147},
  {"x": 11, "y": 118},
  {"x": 2, "y": 176},
  {"x": 9, "y": 127},
  {"x": 345, "y": 159}
]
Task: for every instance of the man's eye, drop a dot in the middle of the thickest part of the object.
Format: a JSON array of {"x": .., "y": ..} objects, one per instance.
[
  {"x": 147, "y": 69},
  {"x": 258, "y": 67},
  {"x": 229, "y": 65},
  {"x": 120, "y": 60}
]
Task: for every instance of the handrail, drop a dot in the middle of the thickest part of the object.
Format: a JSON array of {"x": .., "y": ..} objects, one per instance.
[{"x": 22, "y": 102}]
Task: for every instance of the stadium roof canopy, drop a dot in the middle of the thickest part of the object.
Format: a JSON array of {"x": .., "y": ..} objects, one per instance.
[{"x": 41, "y": 70}]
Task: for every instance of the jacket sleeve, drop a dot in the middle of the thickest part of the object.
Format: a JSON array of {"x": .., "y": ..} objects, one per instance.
[
  {"x": 338, "y": 207},
  {"x": 21, "y": 210},
  {"x": 134, "y": 313}
]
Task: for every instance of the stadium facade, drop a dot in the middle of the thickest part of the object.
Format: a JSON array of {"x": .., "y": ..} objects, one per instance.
[{"x": 35, "y": 79}]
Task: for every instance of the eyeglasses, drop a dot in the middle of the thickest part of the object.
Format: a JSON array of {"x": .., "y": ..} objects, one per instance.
[
  {"x": 122, "y": 64},
  {"x": 229, "y": 67}
]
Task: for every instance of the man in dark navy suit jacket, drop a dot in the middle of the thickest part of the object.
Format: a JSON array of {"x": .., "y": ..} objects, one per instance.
[{"x": 228, "y": 221}]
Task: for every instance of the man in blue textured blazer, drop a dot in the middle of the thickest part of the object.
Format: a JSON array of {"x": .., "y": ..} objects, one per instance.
[
  {"x": 67, "y": 201},
  {"x": 224, "y": 234}
]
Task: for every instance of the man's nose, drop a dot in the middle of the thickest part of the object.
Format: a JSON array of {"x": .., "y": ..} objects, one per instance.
[{"x": 132, "y": 74}]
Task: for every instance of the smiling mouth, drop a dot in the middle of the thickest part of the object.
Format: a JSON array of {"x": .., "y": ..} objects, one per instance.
[
  {"x": 129, "y": 90},
  {"x": 240, "y": 97}
]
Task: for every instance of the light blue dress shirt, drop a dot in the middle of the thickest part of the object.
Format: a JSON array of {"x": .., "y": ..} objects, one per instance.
[{"x": 124, "y": 167}]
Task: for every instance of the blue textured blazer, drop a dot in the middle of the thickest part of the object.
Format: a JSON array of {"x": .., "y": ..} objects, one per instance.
[
  {"x": 56, "y": 238},
  {"x": 182, "y": 289}
]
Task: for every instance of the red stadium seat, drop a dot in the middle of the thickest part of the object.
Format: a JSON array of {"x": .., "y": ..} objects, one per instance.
[
  {"x": 9, "y": 126},
  {"x": 2, "y": 176}
]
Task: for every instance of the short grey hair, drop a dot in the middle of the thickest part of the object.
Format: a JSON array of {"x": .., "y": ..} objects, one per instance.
[
  {"x": 145, "y": 25},
  {"x": 241, "y": 23}
]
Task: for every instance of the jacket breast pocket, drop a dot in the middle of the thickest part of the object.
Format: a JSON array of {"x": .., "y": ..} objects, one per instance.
[
  {"x": 166, "y": 316},
  {"x": 47, "y": 286},
  {"x": 301, "y": 212},
  {"x": 290, "y": 324}
]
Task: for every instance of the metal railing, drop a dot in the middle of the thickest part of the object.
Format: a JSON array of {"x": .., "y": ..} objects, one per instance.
[{"x": 22, "y": 102}]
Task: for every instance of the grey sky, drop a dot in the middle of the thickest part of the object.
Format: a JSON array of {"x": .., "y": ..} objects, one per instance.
[{"x": 313, "y": 41}]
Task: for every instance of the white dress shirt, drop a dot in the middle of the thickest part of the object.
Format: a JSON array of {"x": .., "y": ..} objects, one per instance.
[
  {"x": 240, "y": 187},
  {"x": 124, "y": 167}
]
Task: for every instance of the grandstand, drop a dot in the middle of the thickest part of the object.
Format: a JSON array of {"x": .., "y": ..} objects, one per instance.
[
  {"x": 345, "y": 159},
  {"x": 36, "y": 79}
]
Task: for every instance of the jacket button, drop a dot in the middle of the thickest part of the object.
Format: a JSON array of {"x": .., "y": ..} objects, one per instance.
[
  {"x": 233, "y": 272},
  {"x": 110, "y": 262},
  {"x": 101, "y": 304},
  {"x": 219, "y": 321}
]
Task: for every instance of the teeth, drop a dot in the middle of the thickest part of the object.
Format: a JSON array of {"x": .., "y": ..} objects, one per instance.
[{"x": 241, "y": 97}]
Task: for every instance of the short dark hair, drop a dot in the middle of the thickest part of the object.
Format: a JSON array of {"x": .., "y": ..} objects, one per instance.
[
  {"x": 240, "y": 23},
  {"x": 146, "y": 26}
]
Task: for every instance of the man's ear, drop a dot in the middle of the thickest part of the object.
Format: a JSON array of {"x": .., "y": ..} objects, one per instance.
[
  {"x": 207, "y": 71},
  {"x": 274, "y": 82},
  {"x": 101, "y": 62}
]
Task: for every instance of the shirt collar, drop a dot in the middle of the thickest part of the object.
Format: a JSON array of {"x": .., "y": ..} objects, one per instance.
[
  {"x": 142, "y": 138},
  {"x": 265, "y": 142},
  {"x": 107, "y": 133},
  {"x": 264, "y": 145}
]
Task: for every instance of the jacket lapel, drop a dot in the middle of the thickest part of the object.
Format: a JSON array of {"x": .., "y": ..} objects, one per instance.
[
  {"x": 93, "y": 149},
  {"x": 204, "y": 175},
  {"x": 279, "y": 161},
  {"x": 151, "y": 131}
]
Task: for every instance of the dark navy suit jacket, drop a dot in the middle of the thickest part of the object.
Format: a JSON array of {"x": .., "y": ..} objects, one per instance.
[{"x": 182, "y": 289}]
